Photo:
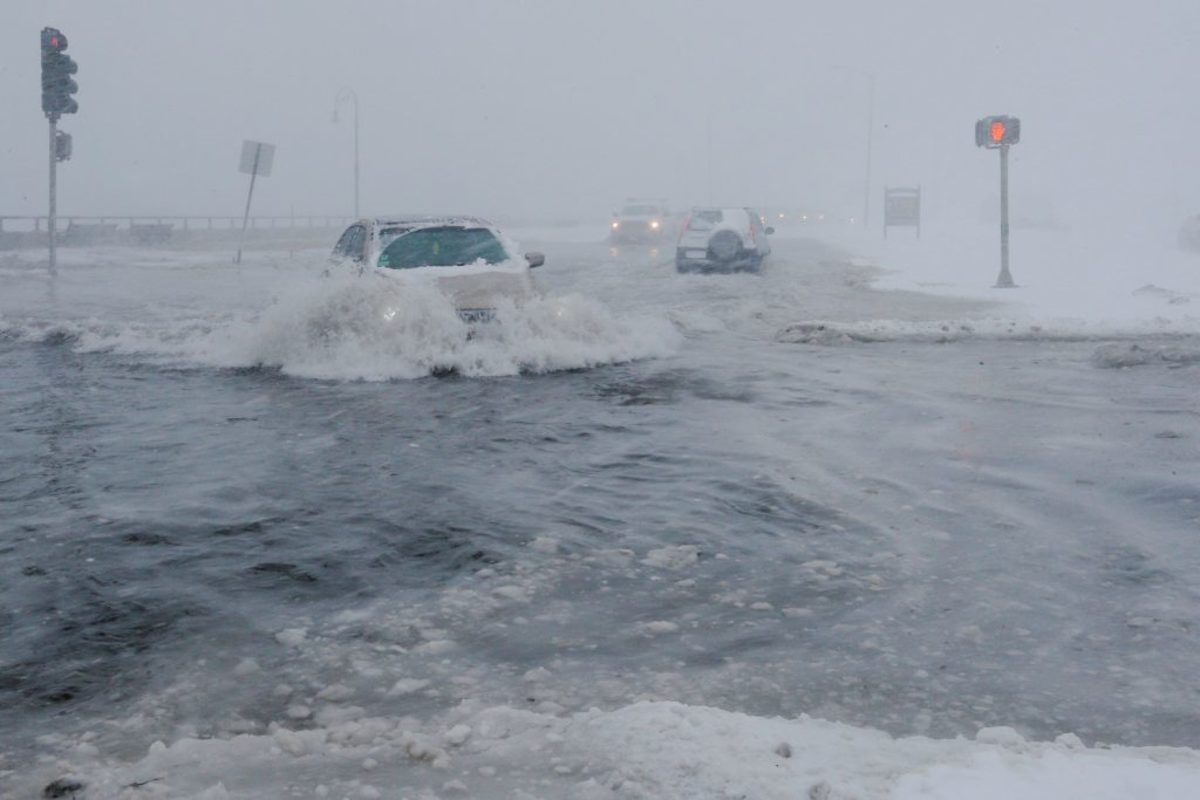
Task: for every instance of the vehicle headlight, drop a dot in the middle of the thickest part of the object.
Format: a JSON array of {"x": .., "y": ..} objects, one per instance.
[
  {"x": 653, "y": 223},
  {"x": 616, "y": 224}
]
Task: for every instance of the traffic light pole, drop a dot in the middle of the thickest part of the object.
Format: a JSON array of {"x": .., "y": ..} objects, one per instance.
[
  {"x": 1004, "y": 281},
  {"x": 51, "y": 225}
]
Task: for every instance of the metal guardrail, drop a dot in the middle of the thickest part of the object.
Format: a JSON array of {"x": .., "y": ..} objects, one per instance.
[{"x": 15, "y": 223}]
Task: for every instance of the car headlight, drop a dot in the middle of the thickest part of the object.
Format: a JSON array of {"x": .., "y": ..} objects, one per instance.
[
  {"x": 654, "y": 223},
  {"x": 616, "y": 224}
]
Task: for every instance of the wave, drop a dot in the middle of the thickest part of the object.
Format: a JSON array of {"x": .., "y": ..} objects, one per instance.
[{"x": 348, "y": 328}]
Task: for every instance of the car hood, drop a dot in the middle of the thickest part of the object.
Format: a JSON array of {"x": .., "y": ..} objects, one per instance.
[
  {"x": 472, "y": 286},
  {"x": 486, "y": 289}
]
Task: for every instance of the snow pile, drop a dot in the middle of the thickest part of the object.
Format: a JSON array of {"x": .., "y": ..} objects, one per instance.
[{"x": 659, "y": 750}]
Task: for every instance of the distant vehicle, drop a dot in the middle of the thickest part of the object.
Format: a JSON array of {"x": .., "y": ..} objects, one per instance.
[
  {"x": 470, "y": 260},
  {"x": 641, "y": 221},
  {"x": 1189, "y": 234},
  {"x": 722, "y": 240}
]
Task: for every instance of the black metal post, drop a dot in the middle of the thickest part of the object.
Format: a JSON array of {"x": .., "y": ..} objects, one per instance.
[
  {"x": 53, "y": 193},
  {"x": 249, "y": 196}
]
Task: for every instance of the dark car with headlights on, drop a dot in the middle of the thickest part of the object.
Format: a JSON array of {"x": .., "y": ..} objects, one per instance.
[{"x": 641, "y": 222}]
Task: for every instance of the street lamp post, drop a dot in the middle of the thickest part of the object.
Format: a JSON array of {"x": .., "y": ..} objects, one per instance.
[
  {"x": 343, "y": 95},
  {"x": 870, "y": 76}
]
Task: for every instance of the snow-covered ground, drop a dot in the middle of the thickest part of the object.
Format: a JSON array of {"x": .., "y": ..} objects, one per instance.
[{"x": 1097, "y": 280}]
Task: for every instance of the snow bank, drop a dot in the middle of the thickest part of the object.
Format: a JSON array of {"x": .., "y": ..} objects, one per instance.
[
  {"x": 1067, "y": 276},
  {"x": 659, "y": 750}
]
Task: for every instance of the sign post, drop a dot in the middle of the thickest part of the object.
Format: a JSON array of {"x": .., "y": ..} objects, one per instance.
[
  {"x": 257, "y": 158},
  {"x": 902, "y": 208},
  {"x": 999, "y": 133}
]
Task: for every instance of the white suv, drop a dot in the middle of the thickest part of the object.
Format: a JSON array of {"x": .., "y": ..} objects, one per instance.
[{"x": 722, "y": 239}]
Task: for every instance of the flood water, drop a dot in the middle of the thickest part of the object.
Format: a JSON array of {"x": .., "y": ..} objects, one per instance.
[{"x": 776, "y": 494}]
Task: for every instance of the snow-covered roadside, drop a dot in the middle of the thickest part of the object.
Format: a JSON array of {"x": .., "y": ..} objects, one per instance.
[
  {"x": 1101, "y": 278},
  {"x": 658, "y": 750}
]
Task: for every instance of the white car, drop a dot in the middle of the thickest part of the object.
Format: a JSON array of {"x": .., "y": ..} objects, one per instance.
[
  {"x": 722, "y": 239},
  {"x": 468, "y": 258}
]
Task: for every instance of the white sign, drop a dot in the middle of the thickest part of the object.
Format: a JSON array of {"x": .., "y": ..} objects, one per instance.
[{"x": 257, "y": 158}]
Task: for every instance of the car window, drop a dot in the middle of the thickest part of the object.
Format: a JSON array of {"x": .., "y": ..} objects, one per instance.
[
  {"x": 642, "y": 211},
  {"x": 350, "y": 245},
  {"x": 705, "y": 219},
  {"x": 445, "y": 246}
]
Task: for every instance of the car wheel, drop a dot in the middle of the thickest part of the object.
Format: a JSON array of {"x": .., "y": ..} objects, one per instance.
[
  {"x": 680, "y": 266},
  {"x": 725, "y": 245}
]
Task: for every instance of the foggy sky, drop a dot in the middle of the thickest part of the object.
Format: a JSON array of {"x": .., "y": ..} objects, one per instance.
[{"x": 547, "y": 108}]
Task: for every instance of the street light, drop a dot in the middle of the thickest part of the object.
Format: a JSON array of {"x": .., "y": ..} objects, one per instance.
[
  {"x": 870, "y": 76},
  {"x": 343, "y": 95}
]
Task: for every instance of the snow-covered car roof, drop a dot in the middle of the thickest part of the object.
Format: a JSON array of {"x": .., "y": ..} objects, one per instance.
[{"x": 429, "y": 220}]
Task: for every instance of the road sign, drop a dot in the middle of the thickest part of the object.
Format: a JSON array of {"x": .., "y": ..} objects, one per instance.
[
  {"x": 902, "y": 208},
  {"x": 257, "y": 158},
  {"x": 1000, "y": 133}
]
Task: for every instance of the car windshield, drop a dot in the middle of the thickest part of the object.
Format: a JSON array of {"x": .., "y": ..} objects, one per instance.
[
  {"x": 704, "y": 219},
  {"x": 640, "y": 211},
  {"x": 446, "y": 246},
  {"x": 388, "y": 235}
]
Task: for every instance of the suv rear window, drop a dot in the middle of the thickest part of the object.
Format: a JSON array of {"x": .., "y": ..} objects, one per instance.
[
  {"x": 705, "y": 219},
  {"x": 447, "y": 246}
]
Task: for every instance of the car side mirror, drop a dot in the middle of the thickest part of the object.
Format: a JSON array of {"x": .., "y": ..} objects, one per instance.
[
  {"x": 535, "y": 259},
  {"x": 770, "y": 230}
]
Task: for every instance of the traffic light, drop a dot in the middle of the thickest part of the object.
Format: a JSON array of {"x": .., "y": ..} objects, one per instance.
[
  {"x": 997, "y": 131},
  {"x": 57, "y": 69},
  {"x": 62, "y": 146}
]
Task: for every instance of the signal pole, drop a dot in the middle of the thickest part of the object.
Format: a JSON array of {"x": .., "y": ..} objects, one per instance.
[
  {"x": 1004, "y": 281},
  {"x": 1000, "y": 133},
  {"x": 51, "y": 223},
  {"x": 57, "y": 88}
]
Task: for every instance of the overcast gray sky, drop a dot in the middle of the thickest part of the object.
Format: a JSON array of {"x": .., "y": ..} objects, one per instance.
[{"x": 553, "y": 108}]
